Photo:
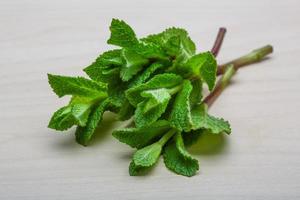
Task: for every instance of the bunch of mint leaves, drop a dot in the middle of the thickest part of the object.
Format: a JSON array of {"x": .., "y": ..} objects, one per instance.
[{"x": 158, "y": 82}]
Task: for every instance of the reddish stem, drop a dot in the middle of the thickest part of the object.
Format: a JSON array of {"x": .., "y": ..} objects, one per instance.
[
  {"x": 220, "y": 85},
  {"x": 218, "y": 42},
  {"x": 229, "y": 69}
]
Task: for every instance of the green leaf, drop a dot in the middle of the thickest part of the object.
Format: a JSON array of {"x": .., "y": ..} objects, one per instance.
[
  {"x": 187, "y": 46},
  {"x": 150, "y": 51},
  {"x": 196, "y": 94},
  {"x": 140, "y": 137},
  {"x": 62, "y": 119},
  {"x": 76, "y": 113},
  {"x": 121, "y": 34},
  {"x": 175, "y": 41},
  {"x": 202, "y": 120},
  {"x": 154, "y": 98},
  {"x": 180, "y": 117},
  {"x": 135, "y": 170},
  {"x": 133, "y": 64},
  {"x": 126, "y": 111},
  {"x": 64, "y": 85},
  {"x": 173, "y": 45},
  {"x": 146, "y": 74},
  {"x": 147, "y": 156},
  {"x": 187, "y": 112},
  {"x": 178, "y": 160},
  {"x": 84, "y": 134},
  {"x": 81, "y": 113},
  {"x": 116, "y": 92},
  {"x": 106, "y": 67},
  {"x": 151, "y": 109},
  {"x": 203, "y": 65},
  {"x": 165, "y": 80},
  {"x": 82, "y": 100}
]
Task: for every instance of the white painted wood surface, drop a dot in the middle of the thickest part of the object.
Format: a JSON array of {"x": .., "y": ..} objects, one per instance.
[{"x": 260, "y": 160}]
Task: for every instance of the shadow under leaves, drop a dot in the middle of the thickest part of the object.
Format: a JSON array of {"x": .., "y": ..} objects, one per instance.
[
  {"x": 104, "y": 129},
  {"x": 209, "y": 144}
]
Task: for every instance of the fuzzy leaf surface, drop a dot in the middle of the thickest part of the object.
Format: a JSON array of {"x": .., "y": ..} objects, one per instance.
[
  {"x": 106, "y": 67},
  {"x": 202, "y": 120},
  {"x": 154, "y": 105},
  {"x": 147, "y": 156},
  {"x": 121, "y": 34},
  {"x": 166, "y": 80},
  {"x": 178, "y": 160},
  {"x": 140, "y": 137},
  {"x": 180, "y": 117},
  {"x": 203, "y": 65},
  {"x": 65, "y": 85},
  {"x": 84, "y": 134}
]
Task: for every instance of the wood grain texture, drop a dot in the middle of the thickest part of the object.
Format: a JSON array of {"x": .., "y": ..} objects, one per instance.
[{"x": 260, "y": 160}]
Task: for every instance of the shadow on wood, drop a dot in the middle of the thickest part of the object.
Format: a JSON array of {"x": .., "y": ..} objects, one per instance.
[
  {"x": 209, "y": 144},
  {"x": 104, "y": 129}
]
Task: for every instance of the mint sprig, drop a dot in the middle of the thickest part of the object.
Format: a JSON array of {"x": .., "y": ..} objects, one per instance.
[{"x": 157, "y": 81}]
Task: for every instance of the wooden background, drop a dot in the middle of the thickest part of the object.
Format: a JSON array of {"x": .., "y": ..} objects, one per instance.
[{"x": 260, "y": 160}]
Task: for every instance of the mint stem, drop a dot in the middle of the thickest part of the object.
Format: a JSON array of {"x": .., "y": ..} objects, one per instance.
[
  {"x": 175, "y": 89},
  {"x": 220, "y": 86},
  {"x": 218, "y": 42},
  {"x": 253, "y": 57},
  {"x": 229, "y": 69},
  {"x": 166, "y": 137}
]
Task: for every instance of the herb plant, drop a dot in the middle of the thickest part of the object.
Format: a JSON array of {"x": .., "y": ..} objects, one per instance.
[{"x": 158, "y": 82}]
